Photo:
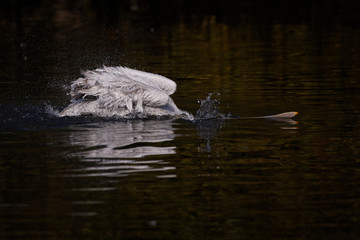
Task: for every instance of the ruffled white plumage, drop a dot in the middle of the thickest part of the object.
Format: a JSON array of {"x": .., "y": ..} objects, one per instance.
[{"x": 122, "y": 92}]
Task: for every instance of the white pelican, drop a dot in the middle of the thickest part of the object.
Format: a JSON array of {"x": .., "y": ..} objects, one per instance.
[{"x": 123, "y": 92}]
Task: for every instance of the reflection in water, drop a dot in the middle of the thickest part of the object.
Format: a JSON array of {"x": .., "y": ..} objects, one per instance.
[
  {"x": 131, "y": 139},
  {"x": 210, "y": 128},
  {"x": 207, "y": 130},
  {"x": 115, "y": 149},
  {"x": 289, "y": 121},
  {"x": 112, "y": 148}
]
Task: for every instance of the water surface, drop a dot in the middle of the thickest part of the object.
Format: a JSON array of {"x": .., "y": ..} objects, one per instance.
[{"x": 91, "y": 178}]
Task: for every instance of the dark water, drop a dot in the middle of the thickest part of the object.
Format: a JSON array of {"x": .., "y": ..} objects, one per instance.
[{"x": 89, "y": 178}]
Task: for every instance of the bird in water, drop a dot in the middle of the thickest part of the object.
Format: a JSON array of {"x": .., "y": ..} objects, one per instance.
[
  {"x": 123, "y": 92},
  {"x": 128, "y": 93}
]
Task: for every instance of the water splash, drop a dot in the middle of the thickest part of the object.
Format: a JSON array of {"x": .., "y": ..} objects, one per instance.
[
  {"x": 51, "y": 111},
  {"x": 209, "y": 109}
]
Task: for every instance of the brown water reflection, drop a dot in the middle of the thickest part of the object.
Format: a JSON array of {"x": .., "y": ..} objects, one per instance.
[{"x": 87, "y": 178}]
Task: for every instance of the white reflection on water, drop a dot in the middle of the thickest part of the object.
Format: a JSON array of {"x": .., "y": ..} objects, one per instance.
[
  {"x": 132, "y": 139},
  {"x": 113, "y": 149}
]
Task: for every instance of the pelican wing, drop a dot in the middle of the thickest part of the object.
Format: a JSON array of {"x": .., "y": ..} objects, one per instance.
[
  {"x": 113, "y": 76},
  {"x": 123, "y": 87},
  {"x": 150, "y": 79}
]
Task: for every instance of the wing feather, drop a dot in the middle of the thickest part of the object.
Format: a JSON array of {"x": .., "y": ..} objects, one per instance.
[
  {"x": 150, "y": 79},
  {"x": 123, "y": 87}
]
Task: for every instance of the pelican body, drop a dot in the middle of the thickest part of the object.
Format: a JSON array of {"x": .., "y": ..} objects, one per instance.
[{"x": 123, "y": 92}]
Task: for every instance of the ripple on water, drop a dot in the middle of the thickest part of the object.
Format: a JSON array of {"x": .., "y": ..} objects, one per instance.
[
  {"x": 118, "y": 149},
  {"x": 119, "y": 168}
]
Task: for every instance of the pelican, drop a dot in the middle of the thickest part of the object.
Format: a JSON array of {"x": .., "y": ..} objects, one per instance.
[{"x": 123, "y": 92}]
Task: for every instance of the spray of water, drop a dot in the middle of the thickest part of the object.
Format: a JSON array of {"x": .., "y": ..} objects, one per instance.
[
  {"x": 209, "y": 109},
  {"x": 51, "y": 111}
]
